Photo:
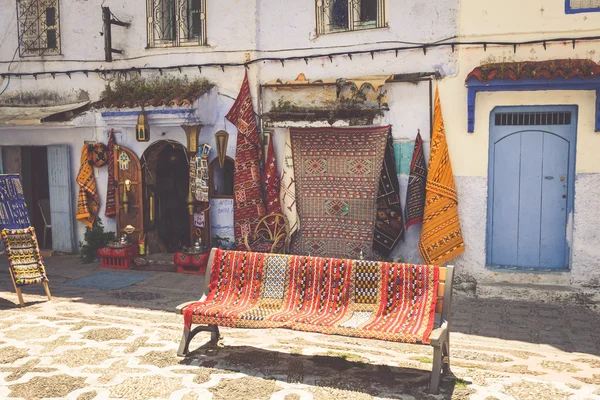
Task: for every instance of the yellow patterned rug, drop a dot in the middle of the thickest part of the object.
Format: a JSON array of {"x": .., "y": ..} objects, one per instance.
[{"x": 441, "y": 236}]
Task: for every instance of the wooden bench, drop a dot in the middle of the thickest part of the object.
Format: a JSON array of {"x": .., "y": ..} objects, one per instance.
[{"x": 346, "y": 297}]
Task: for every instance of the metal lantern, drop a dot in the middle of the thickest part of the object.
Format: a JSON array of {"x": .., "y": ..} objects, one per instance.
[
  {"x": 142, "y": 128},
  {"x": 192, "y": 132},
  {"x": 222, "y": 137}
]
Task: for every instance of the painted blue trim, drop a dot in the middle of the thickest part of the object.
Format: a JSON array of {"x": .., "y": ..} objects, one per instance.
[
  {"x": 527, "y": 84},
  {"x": 148, "y": 112},
  {"x": 572, "y": 139},
  {"x": 569, "y": 10}
]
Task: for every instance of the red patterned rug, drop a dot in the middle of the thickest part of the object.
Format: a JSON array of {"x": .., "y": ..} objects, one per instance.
[
  {"x": 369, "y": 299},
  {"x": 337, "y": 173}
]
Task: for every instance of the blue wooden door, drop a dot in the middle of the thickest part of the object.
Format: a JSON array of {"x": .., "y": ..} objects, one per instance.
[
  {"x": 61, "y": 197},
  {"x": 530, "y": 186}
]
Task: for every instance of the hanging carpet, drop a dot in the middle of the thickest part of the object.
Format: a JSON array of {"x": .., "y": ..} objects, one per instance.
[
  {"x": 111, "y": 202},
  {"x": 369, "y": 299},
  {"x": 415, "y": 194},
  {"x": 337, "y": 173},
  {"x": 248, "y": 205},
  {"x": 88, "y": 201},
  {"x": 389, "y": 227},
  {"x": 13, "y": 209},
  {"x": 271, "y": 182},
  {"x": 287, "y": 194},
  {"x": 25, "y": 262},
  {"x": 441, "y": 236}
]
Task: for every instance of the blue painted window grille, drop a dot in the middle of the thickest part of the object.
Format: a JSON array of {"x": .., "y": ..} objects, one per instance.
[{"x": 581, "y": 6}]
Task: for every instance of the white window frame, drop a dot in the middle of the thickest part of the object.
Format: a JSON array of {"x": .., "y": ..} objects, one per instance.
[
  {"x": 323, "y": 28},
  {"x": 179, "y": 39}
]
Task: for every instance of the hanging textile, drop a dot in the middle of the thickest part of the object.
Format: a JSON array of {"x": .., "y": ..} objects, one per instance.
[
  {"x": 389, "y": 228},
  {"x": 13, "y": 209},
  {"x": 248, "y": 205},
  {"x": 337, "y": 173},
  {"x": 415, "y": 194},
  {"x": 441, "y": 236},
  {"x": 287, "y": 193},
  {"x": 271, "y": 182},
  {"x": 97, "y": 155},
  {"x": 88, "y": 200},
  {"x": 111, "y": 203}
]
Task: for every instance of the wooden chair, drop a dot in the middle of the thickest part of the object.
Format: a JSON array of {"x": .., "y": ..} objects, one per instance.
[
  {"x": 272, "y": 235},
  {"x": 44, "y": 205}
]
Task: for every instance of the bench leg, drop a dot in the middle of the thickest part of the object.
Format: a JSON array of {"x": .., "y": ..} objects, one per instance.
[
  {"x": 446, "y": 357},
  {"x": 188, "y": 335},
  {"x": 434, "y": 385}
]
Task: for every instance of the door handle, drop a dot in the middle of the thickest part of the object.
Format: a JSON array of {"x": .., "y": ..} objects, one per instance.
[{"x": 564, "y": 196}]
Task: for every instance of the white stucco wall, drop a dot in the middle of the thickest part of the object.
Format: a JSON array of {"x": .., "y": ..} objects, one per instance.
[
  {"x": 520, "y": 21},
  {"x": 237, "y": 30}
]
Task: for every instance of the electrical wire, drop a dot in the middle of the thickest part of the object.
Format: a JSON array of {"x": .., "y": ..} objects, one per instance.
[{"x": 306, "y": 58}]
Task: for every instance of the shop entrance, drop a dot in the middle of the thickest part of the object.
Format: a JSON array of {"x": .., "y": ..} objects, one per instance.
[{"x": 166, "y": 183}]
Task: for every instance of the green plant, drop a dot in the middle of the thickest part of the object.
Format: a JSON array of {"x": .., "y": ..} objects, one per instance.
[
  {"x": 139, "y": 89},
  {"x": 94, "y": 238},
  {"x": 221, "y": 242}
]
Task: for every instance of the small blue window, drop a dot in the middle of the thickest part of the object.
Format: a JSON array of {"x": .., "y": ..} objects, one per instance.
[{"x": 581, "y": 6}]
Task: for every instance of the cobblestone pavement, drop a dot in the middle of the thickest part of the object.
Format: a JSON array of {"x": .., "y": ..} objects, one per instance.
[{"x": 94, "y": 344}]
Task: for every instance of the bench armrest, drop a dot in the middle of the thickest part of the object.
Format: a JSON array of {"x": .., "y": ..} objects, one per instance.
[
  {"x": 179, "y": 309},
  {"x": 439, "y": 335}
]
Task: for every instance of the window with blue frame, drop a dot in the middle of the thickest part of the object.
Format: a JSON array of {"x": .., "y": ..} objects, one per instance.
[{"x": 580, "y": 6}]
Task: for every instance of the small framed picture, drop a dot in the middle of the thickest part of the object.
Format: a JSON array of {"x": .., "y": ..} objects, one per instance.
[{"x": 199, "y": 220}]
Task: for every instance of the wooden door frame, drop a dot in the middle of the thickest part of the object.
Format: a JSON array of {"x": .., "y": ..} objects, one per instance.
[{"x": 572, "y": 140}]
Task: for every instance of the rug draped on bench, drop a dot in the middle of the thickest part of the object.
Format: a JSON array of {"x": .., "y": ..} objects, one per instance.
[{"x": 379, "y": 300}]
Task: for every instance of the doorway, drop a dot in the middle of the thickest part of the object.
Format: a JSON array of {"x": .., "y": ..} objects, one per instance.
[
  {"x": 531, "y": 186},
  {"x": 165, "y": 172}
]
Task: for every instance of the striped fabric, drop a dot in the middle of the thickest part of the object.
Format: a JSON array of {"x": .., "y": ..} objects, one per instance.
[
  {"x": 25, "y": 260},
  {"x": 389, "y": 301}
]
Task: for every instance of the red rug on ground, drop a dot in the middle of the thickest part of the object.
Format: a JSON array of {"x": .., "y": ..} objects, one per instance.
[
  {"x": 368, "y": 299},
  {"x": 248, "y": 205}
]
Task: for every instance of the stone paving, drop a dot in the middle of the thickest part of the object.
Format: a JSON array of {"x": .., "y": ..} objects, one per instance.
[{"x": 121, "y": 344}]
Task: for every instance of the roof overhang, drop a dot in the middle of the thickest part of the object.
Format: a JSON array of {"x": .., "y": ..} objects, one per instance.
[{"x": 23, "y": 115}]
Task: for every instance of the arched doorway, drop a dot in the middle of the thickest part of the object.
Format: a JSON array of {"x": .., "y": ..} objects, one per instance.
[{"x": 165, "y": 172}]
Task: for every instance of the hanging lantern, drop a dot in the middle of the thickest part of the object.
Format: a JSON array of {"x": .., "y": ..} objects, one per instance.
[
  {"x": 142, "y": 128},
  {"x": 192, "y": 132},
  {"x": 190, "y": 202},
  {"x": 125, "y": 198},
  {"x": 222, "y": 137}
]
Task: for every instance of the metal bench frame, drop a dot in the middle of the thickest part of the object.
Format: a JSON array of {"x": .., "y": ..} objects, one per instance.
[{"x": 440, "y": 337}]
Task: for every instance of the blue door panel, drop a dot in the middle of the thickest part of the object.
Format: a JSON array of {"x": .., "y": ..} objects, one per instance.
[
  {"x": 506, "y": 175},
  {"x": 553, "y": 245},
  {"x": 530, "y": 187}
]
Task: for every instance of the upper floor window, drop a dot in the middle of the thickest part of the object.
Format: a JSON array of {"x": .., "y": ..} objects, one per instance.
[
  {"x": 349, "y": 15},
  {"x": 39, "y": 32},
  {"x": 579, "y": 6},
  {"x": 176, "y": 23}
]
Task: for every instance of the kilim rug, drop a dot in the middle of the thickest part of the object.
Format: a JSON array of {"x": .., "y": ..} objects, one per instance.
[
  {"x": 24, "y": 256},
  {"x": 415, "y": 194},
  {"x": 13, "y": 209},
  {"x": 441, "y": 236},
  {"x": 111, "y": 202},
  {"x": 271, "y": 182},
  {"x": 337, "y": 173},
  {"x": 248, "y": 205},
  {"x": 369, "y": 299},
  {"x": 287, "y": 194},
  {"x": 389, "y": 227},
  {"x": 88, "y": 201}
]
